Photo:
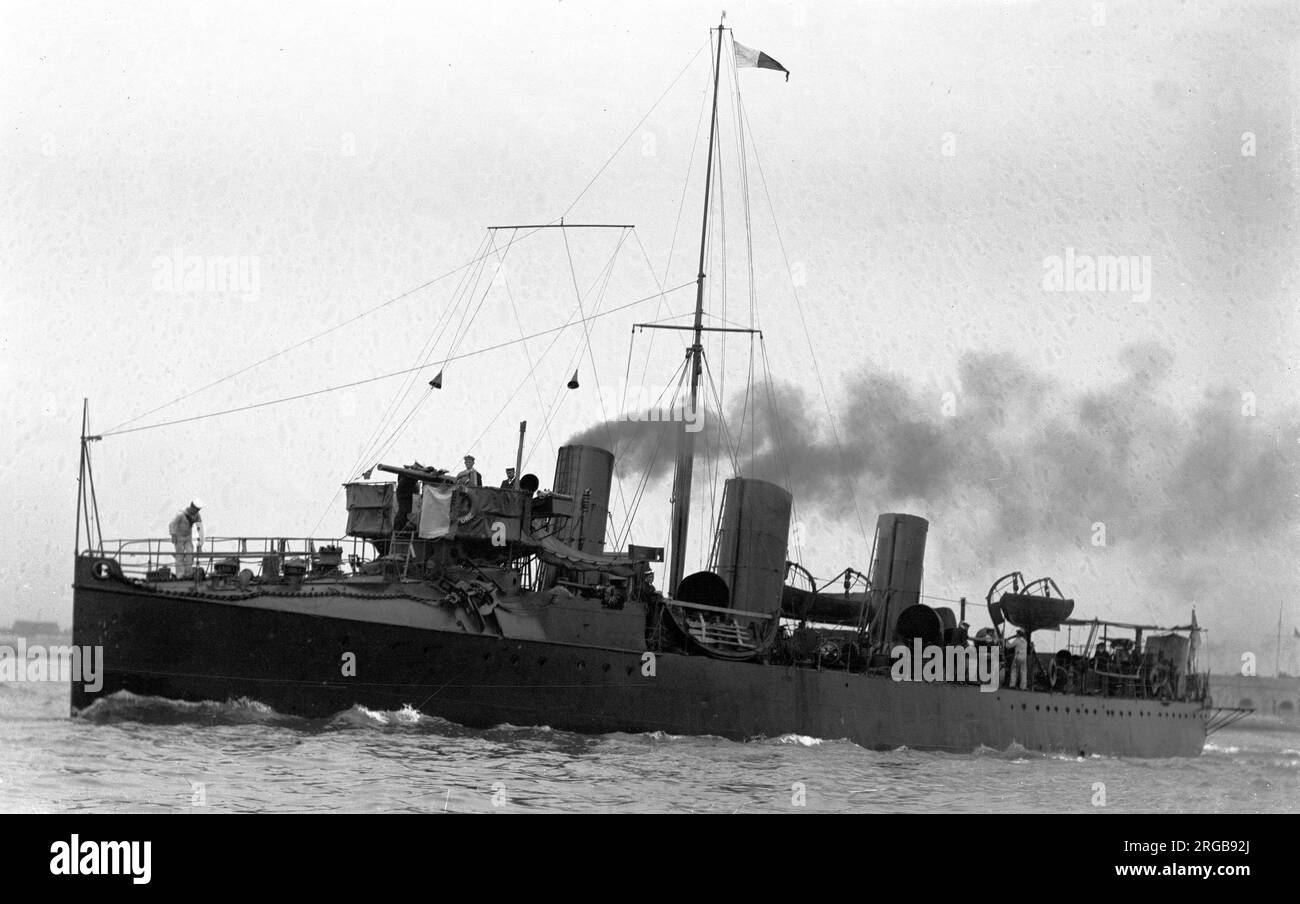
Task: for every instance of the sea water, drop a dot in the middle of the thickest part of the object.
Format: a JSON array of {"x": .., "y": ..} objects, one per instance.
[{"x": 137, "y": 754}]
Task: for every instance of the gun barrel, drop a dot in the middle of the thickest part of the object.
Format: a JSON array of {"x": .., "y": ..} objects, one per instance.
[{"x": 426, "y": 476}]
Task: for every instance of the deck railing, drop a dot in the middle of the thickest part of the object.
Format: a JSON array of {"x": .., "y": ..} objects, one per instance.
[
  {"x": 147, "y": 557},
  {"x": 1133, "y": 684}
]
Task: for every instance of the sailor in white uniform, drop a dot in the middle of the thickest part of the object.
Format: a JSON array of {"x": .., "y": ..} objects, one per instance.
[
  {"x": 181, "y": 529},
  {"x": 1019, "y": 648}
]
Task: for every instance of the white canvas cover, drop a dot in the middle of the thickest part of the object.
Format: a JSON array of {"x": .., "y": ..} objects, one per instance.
[{"x": 435, "y": 512}]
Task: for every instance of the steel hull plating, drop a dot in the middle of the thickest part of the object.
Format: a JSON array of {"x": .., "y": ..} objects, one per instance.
[{"x": 292, "y": 660}]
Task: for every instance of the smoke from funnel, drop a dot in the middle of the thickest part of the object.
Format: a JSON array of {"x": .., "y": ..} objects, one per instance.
[{"x": 1190, "y": 507}]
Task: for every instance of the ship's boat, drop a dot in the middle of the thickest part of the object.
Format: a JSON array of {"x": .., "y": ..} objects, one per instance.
[
  {"x": 1036, "y": 606},
  {"x": 488, "y": 605}
]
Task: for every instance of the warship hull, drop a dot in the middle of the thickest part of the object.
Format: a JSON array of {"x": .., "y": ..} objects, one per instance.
[{"x": 283, "y": 650}]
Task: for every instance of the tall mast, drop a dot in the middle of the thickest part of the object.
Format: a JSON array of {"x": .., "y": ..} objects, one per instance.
[{"x": 683, "y": 475}]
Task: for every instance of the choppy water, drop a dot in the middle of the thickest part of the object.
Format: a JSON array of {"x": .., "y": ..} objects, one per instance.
[{"x": 137, "y": 754}]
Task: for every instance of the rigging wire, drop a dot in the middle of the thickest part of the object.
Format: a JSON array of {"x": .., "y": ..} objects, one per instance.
[
  {"x": 532, "y": 367},
  {"x": 473, "y": 289},
  {"x": 713, "y": 457},
  {"x": 722, "y": 419},
  {"x": 329, "y": 506},
  {"x": 644, "y": 482},
  {"x": 743, "y": 168},
  {"x": 591, "y": 357},
  {"x": 119, "y": 428},
  {"x": 782, "y": 450},
  {"x": 371, "y": 445},
  {"x": 460, "y": 335},
  {"x": 336, "y": 327},
  {"x": 617, "y": 150},
  {"x": 468, "y": 319},
  {"x": 681, "y": 206},
  {"x": 397, "y": 373},
  {"x": 709, "y": 247},
  {"x": 463, "y": 328},
  {"x": 407, "y": 293},
  {"x": 378, "y": 452},
  {"x": 658, "y": 284},
  {"x": 374, "y": 448},
  {"x": 812, "y": 352},
  {"x": 598, "y": 287},
  {"x": 601, "y": 280},
  {"x": 94, "y": 496},
  {"x": 680, "y": 375},
  {"x": 627, "y": 374}
]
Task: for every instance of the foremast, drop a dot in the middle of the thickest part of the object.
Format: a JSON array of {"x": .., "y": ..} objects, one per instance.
[{"x": 684, "y": 472}]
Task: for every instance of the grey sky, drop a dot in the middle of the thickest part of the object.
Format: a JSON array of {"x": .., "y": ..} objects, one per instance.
[{"x": 923, "y": 161}]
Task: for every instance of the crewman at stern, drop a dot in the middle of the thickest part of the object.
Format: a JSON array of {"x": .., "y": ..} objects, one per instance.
[{"x": 181, "y": 528}]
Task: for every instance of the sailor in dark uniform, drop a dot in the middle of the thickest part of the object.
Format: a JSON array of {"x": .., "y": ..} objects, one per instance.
[
  {"x": 509, "y": 482},
  {"x": 1101, "y": 662},
  {"x": 469, "y": 477},
  {"x": 1122, "y": 660}
]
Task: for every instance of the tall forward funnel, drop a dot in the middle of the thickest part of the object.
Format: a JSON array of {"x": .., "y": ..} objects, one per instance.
[
  {"x": 895, "y": 573},
  {"x": 585, "y": 472}
]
